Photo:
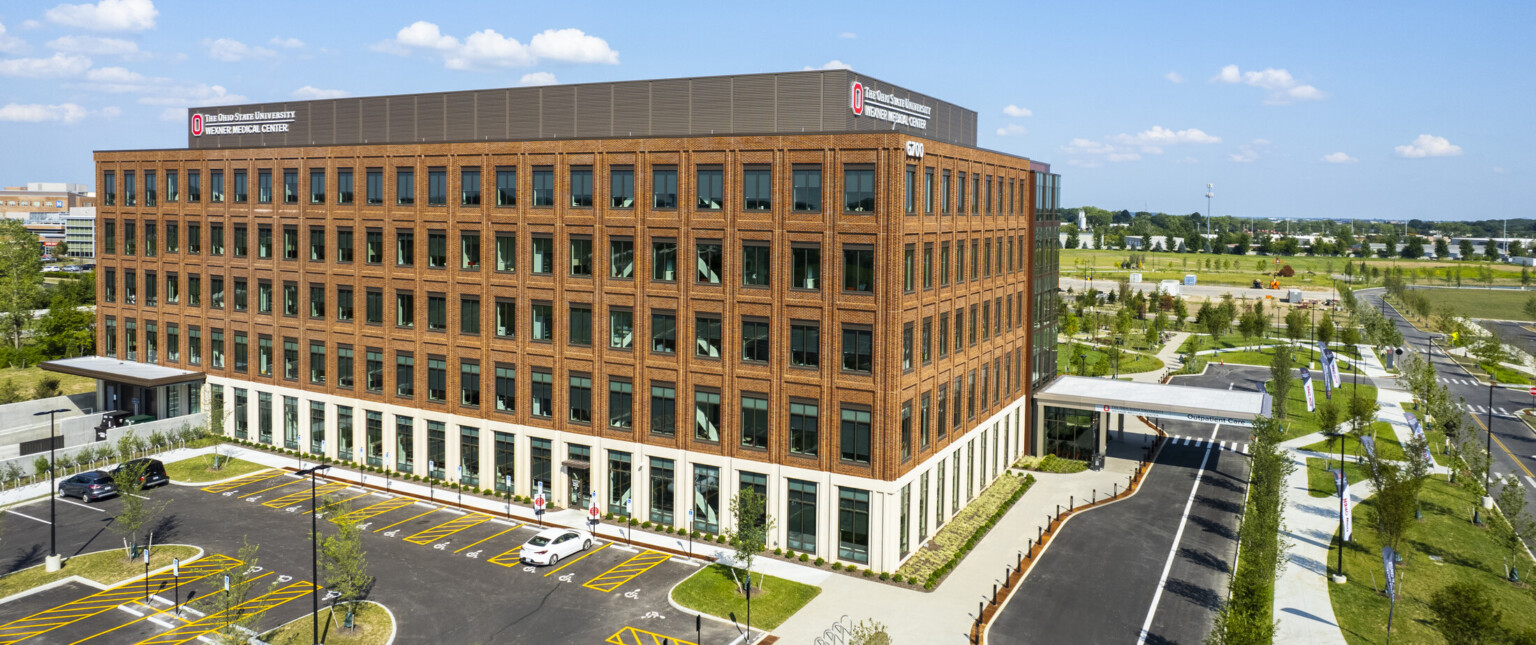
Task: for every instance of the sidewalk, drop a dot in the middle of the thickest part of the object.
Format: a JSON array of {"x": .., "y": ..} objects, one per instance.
[{"x": 946, "y": 614}]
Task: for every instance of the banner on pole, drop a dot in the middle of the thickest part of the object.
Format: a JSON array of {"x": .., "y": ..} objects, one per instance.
[
  {"x": 1341, "y": 481},
  {"x": 1322, "y": 358},
  {"x": 1306, "y": 386},
  {"x": 1389, "y": 565}
]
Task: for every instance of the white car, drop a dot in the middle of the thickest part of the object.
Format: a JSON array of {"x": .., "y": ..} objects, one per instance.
[{"x": 550, "y": 545}]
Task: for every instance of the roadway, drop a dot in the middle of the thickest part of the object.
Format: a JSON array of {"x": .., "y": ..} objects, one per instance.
[{"x": 1153, "y": 568}]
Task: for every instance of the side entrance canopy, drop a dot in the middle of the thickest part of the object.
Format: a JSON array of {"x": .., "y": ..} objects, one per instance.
[
  {"x": 1184, "y": 402},
  {"x": 144, "y": 390}
]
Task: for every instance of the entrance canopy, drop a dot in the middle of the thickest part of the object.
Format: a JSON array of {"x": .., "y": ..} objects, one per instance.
[
  {"x": 130, "y": 372},
  {"x": 1185, "y": 402}
]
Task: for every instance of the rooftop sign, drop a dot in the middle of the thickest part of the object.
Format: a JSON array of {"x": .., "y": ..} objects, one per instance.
[
  {"x": 241, "y": 123},
  {"x": 884, "y": 106}
]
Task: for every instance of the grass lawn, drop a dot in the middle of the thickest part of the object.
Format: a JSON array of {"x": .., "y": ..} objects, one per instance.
[
  {"x": 1467, "y": 553},
  {"x": 1504, "y": 304},
  {"x": 1052, "y": 464},
  {"x": 27, "y": 379},
  {"x": 1387, "y": 445},
  {"x": 1320, "y": 476},
  {"x": 1202, "y": 342},
  {"x": 714, "y": 591},
  {"x": 1299, "y": 422},
  {"x": 1505, "y": 375},
  {"x": 106, "y": 567},
  {"x": 1130, "y": 362},
  {"x": 373, "y": 626},
  {"x": 200, "y": 469},
  {"x": 1312, "y": 272}
]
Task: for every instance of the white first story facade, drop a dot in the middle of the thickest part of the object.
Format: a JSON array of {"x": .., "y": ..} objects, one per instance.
[{"x": 871, "y": 523}]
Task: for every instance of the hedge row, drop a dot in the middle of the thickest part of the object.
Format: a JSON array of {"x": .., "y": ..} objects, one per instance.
[{"x": 981, "y": 532}]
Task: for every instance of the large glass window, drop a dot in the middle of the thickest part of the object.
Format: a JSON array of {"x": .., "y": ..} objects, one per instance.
[
  {"x": 663, "y": 332},
  {"x": 807, "y": 188},
  {"x": 664, "y": 187},
  {"x": 663, "y": 409},
  {"x": 756, "y": 259},
  {"x": 405, "y": 375},
  {"x": 858, "y": 189},
  {"x": 754, "y": 421},
  {"x": 805, "y": 267},
  {"x": 581, "y": 256},
  {"x": 506, "y": 388},
  {"x": 375, "y": 186},
  {"x": 706, "y": 498},
  {"x": 469, "y": 187},
  {"x": 621, "y": 396},
  {"x": 620, "y": 480},
  {"x": 621, "y": 258},
  {"x": 858, "y": 268},
  {"x": 437, "y": 379},
  {"x": 580, "y": 398},
  {"x": 290, "y": 186},
  {"x": 543, "y": 322},
  {"x": 707, "y": 336},
  {"x": 541, "y": 461},
  {"x": 801, "y": 520},
  {"x": 621, "y": 187},
  {"x": 621, "y": 328},
  {"x": 469, "y": 456},
  {"x": 853, "y": 525},
  {"x": 757, "y": 188},
  {"x": 543, "y": 393},
  {"x": 543, "y": 186},
  {"x": 1071, "y": 433},
  {"x": 437, "y": 187},
  {"x": 506, "y": 186},
  {"x": 405, "y": 444},
  {"x": 664, "y": 260},
  {"x": 663, "y": 498},
  {"x": 854, "y": 435},
  {"x": 506, "y": 252},
  {"x": 506, "y": 458},
  {"x": 805, "y": 344},
  {"x": 437, "y": 249},
  {"x": 754, "y": 340},
  {"x": 581, "y": 187},
  {"x": 469, "y": 383},
  {"x": 264, "y": 186},
  {"x": 344, "y": 187},
  {"x": 543, "y": 254},
  {"x": 858, "y": 349},
  {"x": 710, "y": 258},
  {"x": 804, "y": 438},
  {"x": 405, "y": 186},
  {"x": 374, "y": 436},
  {"x": 706, "y": 415},
  {"x": 710, "y": 188}
]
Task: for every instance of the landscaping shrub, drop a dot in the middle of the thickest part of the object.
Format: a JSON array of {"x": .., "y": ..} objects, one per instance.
[
  {"x": 967, "y": 528},
  {"x": 896, "y": 578},
  {"x": 820, "y": 561},
  {"x": 778, "y": 551},
  {"x": 804, "y": 557},
  {"x": 1247, "y": 616},
  {"x": 871, "y": 572},
  {"x": 885, "y": 575},
  {"x": 837, "y": 566},
  {"x": 646, "y": 525}
]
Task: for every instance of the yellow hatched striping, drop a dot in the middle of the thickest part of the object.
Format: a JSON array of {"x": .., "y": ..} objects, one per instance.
[
  {"x": 156, "y": 613},
  {"x": 627, "y": 570},
  {"x": 392, "y": 504},
  {"x": 304, "y": 495},
  {"x": 248, "y": 479},
  {"x": 508, "y": 559},
  {"x": 381, "y": 530},
  {"x": 215, "y": 621},
  {"x": 466, "y": 548},
  {"x": 338, "y": 502},
  {"x": 448, "y": 528},
  {"x": 636, "y": 636},
  {"x": 107, "y": 599},
  {"x": 286, "y": 483}
]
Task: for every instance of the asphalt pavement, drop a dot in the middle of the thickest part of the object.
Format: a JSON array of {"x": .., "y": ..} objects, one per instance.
[
  {"x": 1158, "y": 561},
  {"x": 447, "y": 576}
]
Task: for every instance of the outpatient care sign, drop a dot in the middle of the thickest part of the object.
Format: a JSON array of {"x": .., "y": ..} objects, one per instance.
[{"x": 242, "y": 123}]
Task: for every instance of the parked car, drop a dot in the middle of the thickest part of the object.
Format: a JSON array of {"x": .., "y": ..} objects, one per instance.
[
  {"x": 154, "y": 472},
  {"x": 550, "y": 545},
  {"x": 88, "y": 487}
]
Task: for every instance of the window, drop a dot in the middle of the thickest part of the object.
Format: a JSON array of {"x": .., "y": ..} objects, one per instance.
[
  {"x": 942, "y": 409},
  {"x": 216, "y": 293},
  {"x": 581, "y": 187},
  {"x": 506, "y": 456},
  {"x": 664, "y": 260},
  {"x": 923, "y": 420},
  {"x": 754, "y": 421},
  {"x": 506, "y": 317},
  {"x": 469, "y": 187},
  {"x": 543, "y": 186},
  {"x": 506, "y": 388},
  {"x": 437, "y": 249},
  {"x": 543, "y": 254},
  {"x": 316, "y": 244},
  {"x": 469, "y": 251},
  {"x": 316, "y": 362},
  {"x": 621, "y": 258},
  {"x": 755, "y": 262},
  {"x": 149, "y": 239},
  {"x": 909, "y": 268},
  {"x": 804, "y": 344},
  {"x": 344, "y": 186},
  {"x": 373, "y": 307},
  {"x": 928, "y": 191},
  {"x": 543, "y": 393},
  {"x": 621, "y": 328},
  {"x": 373, "y": 246},
  {"x": 706, "y": 499},
  {"x": 437, "y": 312},
  {"x": 263, "y": 241},
  {"x": 541, "y": 464},
  {"x": 215, "y": 347},
  {"x": 264, "y": 356},
  {"x": 506, "y": 252},
  {"x": 807, "y": 188},
  {"x": 855, "y": 435},
  {"x": 290, "y": 186},
  {"x": 581, "y": 256},
  {"x": 469, "y": 456},
  {"x": 405, "y": 375},
  {"x": 805, "y": 267},
  {"x": 581, "y": 398},
  {"x": 754, "y": 340},
  {"x": 344, "y": 366},
  {"x": 469, "y": 316},
  {"x": 662, "y": 496},
  {"x": 621, "y": 187},
  {"x": 580, "y": 324},
  {"x": 906, "y": 430},
  {"x": 620, "y": 398},
  {"x": 150, "y": 186},
  {"x": 975, "y": 258},
  {"x": 853, "y": 525},
  {"x": 858, "y": 349},
  {"x": 405, "y": 186},
  {"x": 405, "y": 309},
  {"x": 109, "y": 189},
  {"x": 906, "y": 347},
  {"x": 707, "y": 336},
  {"x": 706, "y": 415},
  {"x": 405, "y": 248},
  {"x": 858, "y": 268},
  {"x": 710, "y": 188},
  {"x": 375, "y": 180},
  {"x": 506, "y": 187},
  {"x": 960, "y": 195},
  {"x": 801, "y": 524},
  {"x": 172, "y": 238},
  {"x": 959, "y": 261},
  {"x": 437, "y": 189},
  {"x": 290, "y": 243},
  {"x": 663, "y": 332},
  {"x": 664, "y": 187},
  {"x": 543, "y": 322},
  {"x": 620, "y": 479},
  {"x": 757, "y": 188},
  {"x": 709, "y": 261},
  {"x": 858, "y": 189},
  {"x": 405, "y": 444},
  {"x": 911, "y": 190},
  {"x": 663, "y": 409},
  {"x": 317, "y": 301},
  {"x": 216, "y": 185},
  {"x": 373, "y": 365},
  {"x": 927, "y": 342}
]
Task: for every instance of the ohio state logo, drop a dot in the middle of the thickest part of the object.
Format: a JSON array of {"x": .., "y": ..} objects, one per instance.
[
  {"x": 858, "y": 97},
  {"x": 197, "y": 125}
]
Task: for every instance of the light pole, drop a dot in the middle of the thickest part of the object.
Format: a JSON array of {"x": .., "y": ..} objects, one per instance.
[
  {"x": 1210, "y": 191},
  {"x": 53, "y": 544},
  {"x": 1343, "y": 492},
  {"x": 1488, "y": 465},
  {"x": 314, "y": 552}
]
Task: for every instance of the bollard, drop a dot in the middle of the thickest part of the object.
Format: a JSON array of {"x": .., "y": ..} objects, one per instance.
[
  {"x": 1117, "y": 489},
  {"x": 1039, "y": 533},
  {"x": 1058, "y": 509},
  {"x": 1019, "y": 563},
  {"x": 994, "y": 593},
  {"x": 1071, "y": 501},
  {"x": 1095, "y": 496}
]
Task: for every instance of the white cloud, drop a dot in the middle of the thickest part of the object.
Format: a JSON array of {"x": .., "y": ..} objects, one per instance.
[
  {"x": 188, "y": 95},
  {"x": 1174, "y": 77},
  {"x": 1261, "y": 142},
  {"x": 286, "y": 43},
  {"x": 1339, "y": 157},
  {"x": 831, "y": 64},
  {"x": 107, "y": 15},
  {"x": 310, "y": 92},
  {"x": 230, "y": 50},
  {"x": 1428, "y": 146},
  {"x": 1016, "y": 111},
  {"x": 31, "y": 24},
  {"x": 1012, "y": 129},
  {"x": 1131, "y": 147},
  {"x": 1283, "y": 88},
  {"x": 1161, "y": 136},
  {"x": 95, "y": 45},
  {"x": 537, "y": 78},
  {"x": 60, "y": 65},
  {"x": 10, "y": 44},
  {"x": 488, "y": 49},
  {"x": 37, "y": 113},
  {"x": 1244, "y": 154},
  {"x": 114, "y": 75},
  {"x": 848, "y": 34},
  {"x": 1087, "y": 146}
]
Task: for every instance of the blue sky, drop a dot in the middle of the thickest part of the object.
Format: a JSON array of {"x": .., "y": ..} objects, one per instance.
[{"x": 1370, "y": 109}]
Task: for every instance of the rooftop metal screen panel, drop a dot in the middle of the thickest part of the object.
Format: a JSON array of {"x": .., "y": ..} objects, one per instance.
[
  {"x": 374, "y": 120},
  {"x": 430, "y": 117},
  {"x": 669, "y": 107},
  {"x": 631, "y": 109},
  {"x": 594, "y": 111},
  {"x": 758, "y": 92},
  {"x": 402, "y": 118},
  {"x": 523, "y": 114},
  {"x": 490, "y": 115},
  {"x": 799, "y": 103},
  {"x": 709, "y": 102}
]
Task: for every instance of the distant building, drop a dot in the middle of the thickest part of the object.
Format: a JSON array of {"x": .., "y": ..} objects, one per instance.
[
  {"x": 44, "y": 202},
  {"x": 80, "y": 232}
]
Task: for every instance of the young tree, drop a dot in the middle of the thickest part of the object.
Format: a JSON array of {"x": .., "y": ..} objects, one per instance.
[
  {"x": 1328, "y": 421},
  {"x": 344, "y": 564},
  {"x": 1517, "y": 524},
  {"x": 1325, "y": 329},
  {"x": 238, "y": 616},
  {"x": 1362, "y": 413},
  {"x": 1180, "y": 311},
  {"x": 749, "y": 536},
  {"x": 1490, "y": 351},
  {"x": 1464, "y": 614},
  {"x": 21, "y": 278},
  {"x": 134, "y": 512},
  {"x": 1394, "y": 503},
  {"x": 1280, "y": 376},
  {"x": 1295, "y": 325}
]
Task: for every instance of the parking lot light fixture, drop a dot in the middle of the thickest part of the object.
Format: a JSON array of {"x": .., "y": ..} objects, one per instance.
[
  {"x": 314, "y": 551},
  {"x": 53, "y": 545}
]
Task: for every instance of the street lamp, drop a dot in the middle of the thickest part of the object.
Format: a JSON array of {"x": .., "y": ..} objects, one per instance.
[
  {"x": 1343, "y": 492},
  {"x": 314, "y": 553},
  {"x": 1488, "y": 467},
  {"x": 53, "y": 545}
]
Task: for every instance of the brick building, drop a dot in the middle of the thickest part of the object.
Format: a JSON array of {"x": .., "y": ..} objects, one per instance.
[{"x": 812, "y": 284}]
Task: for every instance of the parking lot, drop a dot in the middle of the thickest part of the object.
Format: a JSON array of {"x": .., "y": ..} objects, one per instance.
[{"x": 448, "y": 576}]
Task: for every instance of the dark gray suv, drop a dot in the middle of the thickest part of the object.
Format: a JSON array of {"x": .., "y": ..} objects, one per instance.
[
  {"x": 89, "y": 487},
  {"x": 153, "y": 474}
]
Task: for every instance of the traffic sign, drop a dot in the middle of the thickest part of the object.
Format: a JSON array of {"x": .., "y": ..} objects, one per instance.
[
  {"x": 1533, "y": 391},
  {"x": 593, "y": 513},
  {"x": 538, "y": 502}
]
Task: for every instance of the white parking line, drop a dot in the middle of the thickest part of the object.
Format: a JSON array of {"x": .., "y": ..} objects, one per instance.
[
  {"x": 1532, "y": 481},
  {"x": 131, "y": 610},
  {"x": 27, "y": 516},
  {"x": 1174, "y": 549},
  {"x": 66, "y": 501}
]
